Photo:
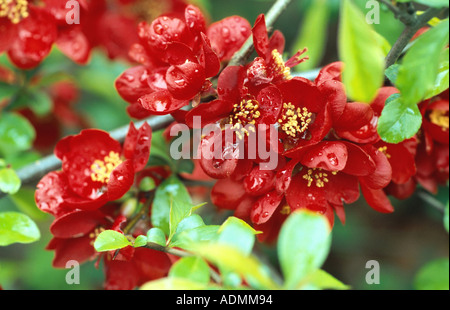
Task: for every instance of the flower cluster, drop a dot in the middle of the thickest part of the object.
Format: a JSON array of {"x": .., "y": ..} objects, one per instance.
[
  {"x": 328, "y": 149},
  {"x": 97, "y": 171}
]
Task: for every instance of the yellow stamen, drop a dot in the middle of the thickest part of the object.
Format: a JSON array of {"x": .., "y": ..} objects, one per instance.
[
  {"x": 102, "y": 169},
  {"x": 279, "y": 65},
  {"x": 286, "y": 210},
  {"x": 439, "y": 117},
  {"x": 294, "y": 121},
  {"x": 14, "y": 10},
  {"x": 244, "y": 113},
  {"x": 383, "y": 149},
  {"x": 317, "y": 177}
]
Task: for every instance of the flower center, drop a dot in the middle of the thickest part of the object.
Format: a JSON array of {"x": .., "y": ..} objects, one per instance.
[
  {"x": 294, "y": 120},
  {"x": 102, "y": 169},
  {"x": 244, "y": 113},
  {"x": 278, "y": 66},
  {"x": 14, "y": 10},
  {"x": 383, "y": 149},
  {"x": 317, "y": 177},
  {"x": 440, "y": 118}
]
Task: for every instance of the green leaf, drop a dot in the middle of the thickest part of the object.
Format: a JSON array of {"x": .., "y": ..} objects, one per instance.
[
  {"x": 160, "y": 151},
  {"x": 321, "y": 279},
  {"x": 433, "y": 276},
  {"x": 110, "y": 240},
  {"x": 430, "y": 3},
  {"x": 7, "y": 91},
  {"x": 398, "y": 121},
  {"x": 191, "y": 268},
  {"x": 392, "y": 73},
  {"x": 442, "y": 80},
  {"x": 361, "y": 53},
  {"x": 9, "y": 181},
  {"x": 303, "y": 245},
  {"x": 234, "y": 260},
  {"x": 16, "y": 133},
  {"x": 140, "y": 241},
  {"x": 237, "y": 233},
  {"x": 419, "y": 70},
  {"x": 16, "y": 227},
  {"x": 147, "y": 184},
  {"x": 40, "y": 102},
  {"x": 171, "y": 205},
  {"x": 157, "y": 236},
  {"x": 190, "y": 222},
  {"x": 189, "y": 237},
  {"x": 173, "y": 284},
  {"x": 313, "y": 34}
]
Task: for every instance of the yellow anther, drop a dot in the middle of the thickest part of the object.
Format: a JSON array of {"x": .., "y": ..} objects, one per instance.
[
  {"x": 439, "y": 117},
  {"x": 383, "y": 149},
  {"x": 317, "y": 177},
  {"x": 294, "y": 120},
  {"x": 279, "y": 66},
  {"x": 14, "y": 10},
  {"x": 102, "y": 169},
  {"x": 286, "y": 210},
  {"x": 244, "y": 114}
]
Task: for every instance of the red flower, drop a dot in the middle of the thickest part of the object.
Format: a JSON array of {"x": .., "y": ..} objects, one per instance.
[
  {"x": 74, "y": 235},
  {"x": 30, "y": 32},
  {"x": 95, "y": 170},
  {"x": 269, "y": 67},
  {"x": 177, "y": 61}
]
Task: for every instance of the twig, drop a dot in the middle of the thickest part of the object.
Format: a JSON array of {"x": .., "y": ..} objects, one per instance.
[
  {"x": 408, "y": 33},
  {"x": 432, "y": 201},
  {"x": 246, "y": 50},
  {"x": 402, "y": 15}
]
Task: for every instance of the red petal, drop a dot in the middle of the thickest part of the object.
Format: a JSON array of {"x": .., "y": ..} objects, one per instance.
[
  {"x": 76, "y": 224},
  {"x": 161, "y": 103},
  {"x": 74, "y": 44},
  {"x": 8, "y": 33},
  {"x": 78, "y": 249},
  {"x": 151, "y": 264},
  {"x": 299, "y": 195},
  {"x": 51, "y": 192},
  {"x": 186, "y": 80},
  {"x": 264, "y": 208},
  {"x": 259, "y": 182},
  {"x": 36, "y": 35},
  {"x": 354, "y": 116},
  {"x": 120, "y": 180},
  {"x": 328, "y": 155},
  {"x": 401, "y": 160},
  {"x": 341, "y": 188},
  {"x": 137, "y": 145},
  {"x": 260, "y": 37},
  {"x": 227, "y": 194},
  {"x": 208, "y": 58},
  {"x": 230, "y": 83},
  {"x": 195, "y": 20},
  {"x": 332, "y": 72},
  {"x": 359, "y": 163},
  {"x": 208, "y": 113},
  {"x": 228, "y": 35},
  {"x": 377, "y": 199},
  {"x": 270, "y": 103},
  {"x": 382, "y": 175},
  {"x": 133, "y": 83}
]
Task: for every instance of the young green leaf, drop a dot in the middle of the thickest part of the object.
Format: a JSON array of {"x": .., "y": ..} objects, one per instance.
[
  {"x": 433, "y": 276},
  {"x": 16, "y": 227},
  {"x": 110, "y": 240},
  {"x": 189, "y": 237},
  {"x": 16, "y": 133},
  {"x": 320, "y": 279},
  {"x": 420, "y": 67},
  {"x": 361, "y": 53},
  {"x": 173, "y": 284},
  {"x": 237, "y": 233},
  {"x": 191, "y": 268},
  {"x": 157, "y": 236},
  {"x": 442, "y": 80},
  {"x": 303, "y": 245},
  {"x": 9, "y": 181},
  {"x": 399, "y": 121},
  {"x": 140, "y": 241}
]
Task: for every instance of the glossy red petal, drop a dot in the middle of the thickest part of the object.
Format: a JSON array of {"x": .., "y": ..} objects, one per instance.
[
  {"x": 227, "y": 194},
  {"x": 264, "y": 208},
  {"x": 133, "y": 83},
  {"x": 328, "y": 155},
  {"x": 382, "y": 175},
  {"x": 186, "y": 80},
  {"x": 359, "y": 163},
  {"x": 121, "y": 275},
  {"x": 120, "y": 180},
  {"x": 341, "y": 188},
  {"x": 208, "y": 113},
  {"x": 230, "y": 83},
  {"x": 8, "y": 33},
  {"x": 228, "y": 35},
  {"x": 151, "y": 264},
  {"x": 299, "y": 195},
  {"x": 137, "y": 145},
  {"x": 208, "y": 58},
  {"x": 36, "y": 35},
  {"x": 74, "y": 44},
  {"x": 195, "y": 20},
  {"x": 51, "y": 191},
  {"x": 270, "y": 103},
  {"x": 161, "y": 103},
  {"x": 76, "y": 224},
  {"x": 259, "y": 182},
  {"x": 377, "y": 199},
  {"x": 354, "y": 116},
  {"x": 332, "y": 71},
  {"x": 79, "y": 249},
  {"x": 401, "y": 160},
  {"x": 260, "y": 37}
]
